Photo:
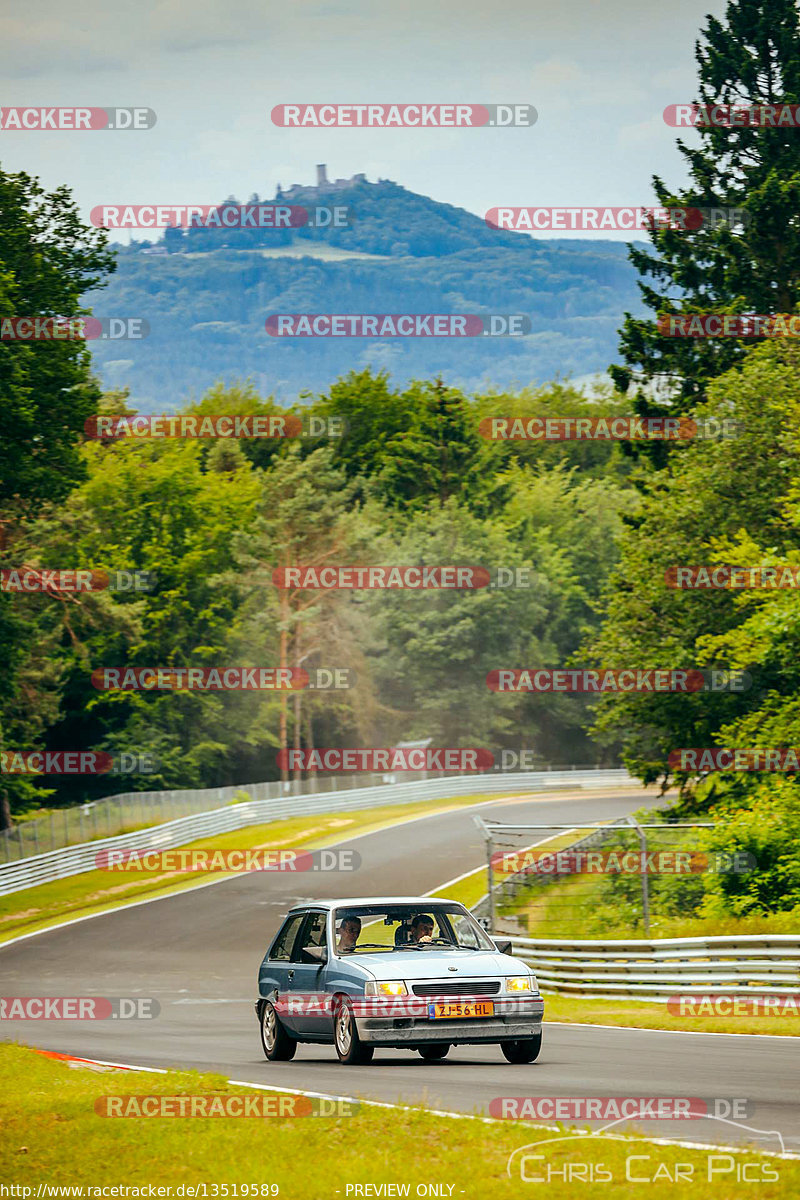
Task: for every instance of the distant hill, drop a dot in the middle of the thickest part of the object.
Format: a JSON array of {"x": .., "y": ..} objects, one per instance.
[{"x": 206, "y": 294}]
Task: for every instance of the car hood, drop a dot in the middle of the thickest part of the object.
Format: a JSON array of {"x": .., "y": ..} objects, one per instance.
[{"x": 427, "y": 964}]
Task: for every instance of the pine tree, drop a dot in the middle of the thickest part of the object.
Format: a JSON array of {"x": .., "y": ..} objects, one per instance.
[{"x": 750, "y": 265}]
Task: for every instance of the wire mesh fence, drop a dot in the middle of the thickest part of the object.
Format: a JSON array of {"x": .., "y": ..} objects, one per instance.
[
  {"x": 129, "y": 811},
  {"x": 557, "y": 877}
]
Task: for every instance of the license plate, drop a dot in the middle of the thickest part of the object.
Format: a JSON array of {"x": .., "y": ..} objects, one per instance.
[{"x": 474, "y": 1008}]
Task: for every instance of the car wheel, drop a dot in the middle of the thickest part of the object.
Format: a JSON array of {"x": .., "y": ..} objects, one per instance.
[
  {"x": 525, "y": 1050},
  {"x": 348, "y": 1044},
  {"x": 435, "y": 1052},
  {"x": 276, "y": 1043}
]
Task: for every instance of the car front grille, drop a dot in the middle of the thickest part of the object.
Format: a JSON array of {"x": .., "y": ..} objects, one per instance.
[{"x": 465, "y": 987}]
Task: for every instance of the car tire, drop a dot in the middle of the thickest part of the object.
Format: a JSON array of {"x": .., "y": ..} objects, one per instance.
[
  {"x": 276, "y": 1043},
  {"x": 349, "y": 1047},
  {"x": 524, "y": 1050},
  {"x": 434, "y": 1052}
]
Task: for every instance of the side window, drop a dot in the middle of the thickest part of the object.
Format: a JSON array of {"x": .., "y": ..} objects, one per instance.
[
  {"x": 314, "y": 934},
  {"x": 282, "y": 950}
]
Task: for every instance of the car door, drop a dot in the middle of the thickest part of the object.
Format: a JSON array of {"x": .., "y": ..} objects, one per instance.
[
  {"x": 275, "y": 970},
  {"x": 310, "y": 1017}
]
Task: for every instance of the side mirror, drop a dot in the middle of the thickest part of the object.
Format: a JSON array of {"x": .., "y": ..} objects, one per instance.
[
  {"x": 318, "y": 953},
  {"x": 503, "y": 947}
]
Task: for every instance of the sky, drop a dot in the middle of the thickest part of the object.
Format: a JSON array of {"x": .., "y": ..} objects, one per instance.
[{"x": 599, "y": 72}]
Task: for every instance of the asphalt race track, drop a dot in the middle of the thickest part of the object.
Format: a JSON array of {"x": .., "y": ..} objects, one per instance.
[{"x": 198, "y": 952}]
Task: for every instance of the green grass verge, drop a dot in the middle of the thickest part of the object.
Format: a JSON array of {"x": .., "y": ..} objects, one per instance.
[
  {"x": 52, "y": 1135},
  {"x": 581, "y": 908},
  {"x": 574, "y": 1009},
  {"x": 95, "y": 891}
]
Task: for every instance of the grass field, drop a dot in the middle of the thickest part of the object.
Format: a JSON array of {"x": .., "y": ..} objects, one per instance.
[{"x": 52, "y": 1135}]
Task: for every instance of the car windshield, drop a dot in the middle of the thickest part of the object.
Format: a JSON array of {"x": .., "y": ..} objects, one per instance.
[{"x": 378, "y": 928}]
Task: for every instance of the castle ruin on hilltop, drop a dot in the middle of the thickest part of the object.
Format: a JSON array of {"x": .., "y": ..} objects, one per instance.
[{"x": 330, "y": 185}]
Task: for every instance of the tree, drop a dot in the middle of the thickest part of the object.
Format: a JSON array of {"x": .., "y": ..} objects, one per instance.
[
  {"x": 48, "y": 259},
  {"x": 437, "y": 456},
  {"x": 699, "y": 511},
  {"x": 412, "y": 447},
  {"x": 750, "y": 266},
  {"x": 432, "y": 649},
  {"x": 303, "y": 518}
]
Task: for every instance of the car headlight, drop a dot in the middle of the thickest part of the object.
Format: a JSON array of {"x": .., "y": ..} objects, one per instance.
[
  {"x": 385, "y": 987},
  {"x": 519, "y": 983}
]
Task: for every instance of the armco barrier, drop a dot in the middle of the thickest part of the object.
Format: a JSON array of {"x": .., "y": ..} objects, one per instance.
[
  {"x": 126, "y": 811},
  {"x": 72, "y": 860},
  {"x": 758, "y": 964}
]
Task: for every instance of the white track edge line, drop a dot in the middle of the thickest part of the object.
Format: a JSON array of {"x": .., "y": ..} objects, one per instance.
[{"x": 437, "y": 1112}]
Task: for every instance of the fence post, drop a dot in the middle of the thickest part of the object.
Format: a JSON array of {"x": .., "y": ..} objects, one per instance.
[
  {"x": 645, "y": 882},
  {"x": 490, "y": 881}
]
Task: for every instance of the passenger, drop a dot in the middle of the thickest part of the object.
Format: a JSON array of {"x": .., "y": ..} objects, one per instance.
[
  {"x": 349, "y": 931},
  {"x": 421, "y": 929}
]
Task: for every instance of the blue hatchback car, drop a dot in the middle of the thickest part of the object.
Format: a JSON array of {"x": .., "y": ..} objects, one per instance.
[{"x": 408, "y": 973}]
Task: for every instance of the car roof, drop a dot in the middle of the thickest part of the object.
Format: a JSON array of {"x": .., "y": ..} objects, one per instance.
[{"x": 421, "y": 902}]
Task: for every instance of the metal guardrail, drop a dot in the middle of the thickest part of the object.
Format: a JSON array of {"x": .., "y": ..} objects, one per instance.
[
  {"x": 757, "y": 964},
  {"x": 125, "y": 811},
  {"x": 72, "y": 860}
]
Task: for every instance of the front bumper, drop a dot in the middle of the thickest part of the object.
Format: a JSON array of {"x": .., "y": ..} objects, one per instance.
[{"x": 512, "y": 1020}]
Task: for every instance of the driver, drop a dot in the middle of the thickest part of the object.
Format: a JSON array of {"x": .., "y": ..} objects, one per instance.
[
  {"x": 349, "y": 931},
  {"x": 421, "y": 928}
]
